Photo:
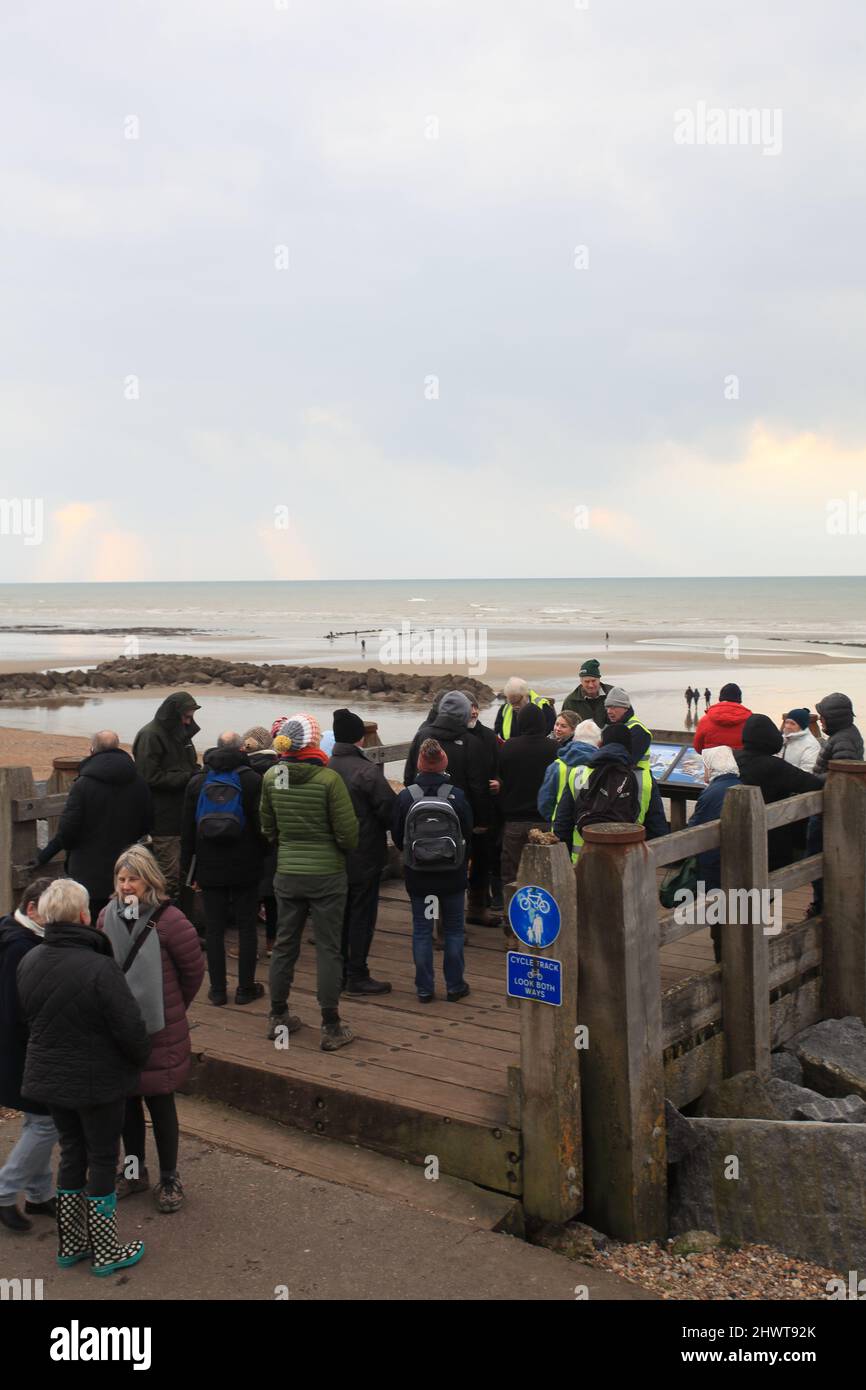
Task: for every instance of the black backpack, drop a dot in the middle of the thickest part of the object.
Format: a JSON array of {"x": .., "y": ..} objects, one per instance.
[
  {"x": 433, "y": 835},
  {"x": 610, "y": 793}
]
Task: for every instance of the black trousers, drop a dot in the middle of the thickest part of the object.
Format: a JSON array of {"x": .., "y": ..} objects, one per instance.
[
  {"x": 223, "y": 908},
  {"x": 270, "y": 906},
  {"x": 89, "y": 1143},
  {"x": 166, "y": 1134},
  {"x": 359, "y": 924}
]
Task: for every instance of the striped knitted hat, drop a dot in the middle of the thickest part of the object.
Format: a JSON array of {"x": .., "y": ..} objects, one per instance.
[{"x": 297, "y": 732}]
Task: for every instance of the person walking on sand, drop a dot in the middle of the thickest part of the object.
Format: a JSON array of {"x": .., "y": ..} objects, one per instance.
[
  {"x": 690, "y": 695},
  {"x": 159, "y": 953},
  {"x": 108, "y": 808},
  {"x": 166, "y": 759},
  {"x": 723, "y": 722},
  {"x": 432, "y": 825},
  {"x": 220, "y": 834},
  {"x": 707, "y": 697},
  {"x": 87, "y": 1045},
  {"x": 307, "y": 809},
  {"x": 28, "y": 1167}
]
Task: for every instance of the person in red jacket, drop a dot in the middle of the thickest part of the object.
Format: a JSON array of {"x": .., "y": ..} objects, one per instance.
[
  {"x": 723, "y": 723},
  {"x": 160, "y": 955}
]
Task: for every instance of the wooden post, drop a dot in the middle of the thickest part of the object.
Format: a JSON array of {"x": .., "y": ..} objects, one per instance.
[
  {"x": 549, "y": 1063},
  {"x": 17, "y": 838},
  {"x": 371, "y": 734},
  {"x": 65, "y": 771},
  {"x": 745, "y": 946},
  {"x": 844, "y": 934},
  {"x": 622, "y": 1072}
]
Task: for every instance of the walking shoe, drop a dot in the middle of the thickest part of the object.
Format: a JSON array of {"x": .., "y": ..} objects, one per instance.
[
  {"x": 168, "y": 1194},
  {"x": 73, "y": 1238},
  {"x": 125, "y": 1187},
  {"x": 335, "y": 1035},
  {"x": 108, "y": 1254},
  {"x": 248, "y": 996},
  {"x": 284, "y": 1020},
  {"x": 12, "y": 1219},
  {"x": 46, "y": 1208},
  {"x": 368, "y": 986},
  {"x": 426, "y": 998},
  {"x": 217, "y": 996},
  {"x": 461, "y": 993}
]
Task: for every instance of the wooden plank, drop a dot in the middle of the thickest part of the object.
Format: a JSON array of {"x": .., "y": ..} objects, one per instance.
[
  {"x": 796, "y": 875},
  {"x": 667, "y": 849},
  {"x": 745, "y": 980},
  {"x": 794, "y": 808},
  {"x": 38, "y": 807},
  {"x": 845, "y": 890},
  {"x": 622, "y": 1077},
  {"x": 18, "y": 845}
]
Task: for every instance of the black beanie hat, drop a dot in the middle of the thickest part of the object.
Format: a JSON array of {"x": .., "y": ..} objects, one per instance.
[
  {"x": 531, "y": 720},
  {"x": 761, "y": 735},
  {"x": 348, "y": 727},
  {"x": 731, "y": 692},
  {"x": 617, "y": 733}
]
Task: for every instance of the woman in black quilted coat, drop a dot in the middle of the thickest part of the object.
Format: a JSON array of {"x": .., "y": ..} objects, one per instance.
[{"x": 86, "y": 1048}]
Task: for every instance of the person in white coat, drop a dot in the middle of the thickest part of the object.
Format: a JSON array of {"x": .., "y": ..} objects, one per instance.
[{"x": 800, "y": 746}]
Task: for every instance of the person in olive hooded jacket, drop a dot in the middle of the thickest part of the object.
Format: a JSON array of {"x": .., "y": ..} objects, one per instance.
[{"x": 166, "y": 759}]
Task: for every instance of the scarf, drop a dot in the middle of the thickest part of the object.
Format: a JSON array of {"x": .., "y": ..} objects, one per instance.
[
  {"x": 305, "y": 755},
  {"x": 24, "y": 921},
  {"x": 144, "y": 976}
]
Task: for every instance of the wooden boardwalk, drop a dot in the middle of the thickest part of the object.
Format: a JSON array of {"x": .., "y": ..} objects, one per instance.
[{"x": 419, "y": 1079}]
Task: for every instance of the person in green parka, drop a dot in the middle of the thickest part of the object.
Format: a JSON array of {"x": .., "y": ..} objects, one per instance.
[{"x": 166, "y": 759}]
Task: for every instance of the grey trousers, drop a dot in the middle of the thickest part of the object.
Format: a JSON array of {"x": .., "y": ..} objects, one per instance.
[{"x": 323, "y": 897}]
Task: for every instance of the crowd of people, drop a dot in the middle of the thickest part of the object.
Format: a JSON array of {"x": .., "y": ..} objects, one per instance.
[{"x": 98, "y": 968}]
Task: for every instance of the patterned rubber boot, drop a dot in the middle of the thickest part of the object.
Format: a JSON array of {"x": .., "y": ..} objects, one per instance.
[
  {"x": 72, "y": 1243},
  {"x": 108, "y": 1253}
]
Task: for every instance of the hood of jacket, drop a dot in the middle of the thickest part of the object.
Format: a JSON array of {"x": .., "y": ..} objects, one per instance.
[
  {"x": 173, "y": 706},
  {"x": 225, "y": 759},
  {"x": 837, "y": 710},
  {"x": 348, "y": 750},
  {"x": 611, "y": 753},
  {"x": 261, "y": 761},
  {"x": 760, "y": 735},
  {"x": 530, "y": 720},
  {"x": 575, "y": 753},
  {"x": 113, "y": 766},
  {"x": 12, "y": 931},
  {"x": 65, "y": 934},
  {"x": 729, "y": 713}
]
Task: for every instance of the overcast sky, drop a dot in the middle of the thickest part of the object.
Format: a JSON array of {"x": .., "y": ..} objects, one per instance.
[{"x": 432, "y": 385}]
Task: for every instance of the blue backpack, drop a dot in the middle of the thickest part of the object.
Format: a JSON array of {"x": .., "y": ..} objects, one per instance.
[{"x": 219, "y": 812}]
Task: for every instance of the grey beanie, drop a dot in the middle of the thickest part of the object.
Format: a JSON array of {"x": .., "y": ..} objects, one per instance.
[
  {"x": 456, "y": 705},
  {"x": 616, "y": 696}
]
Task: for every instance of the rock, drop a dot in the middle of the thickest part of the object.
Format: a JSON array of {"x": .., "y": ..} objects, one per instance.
[
  {"x": 833, "y": 1056},
  {"x": 789, "y": 1097},
  {"x": 681, "y": 1137},
  {"x": 573, "y": 1239},
  {"x": 849, "y": 1110},
  {"x": 305, "y": 682},
  {"x": 375, "y": 681},
  {"x": 786, "y": 1066},
  {"x": 695, "y": 1243},
  {"x": 744, "y": 1097}
]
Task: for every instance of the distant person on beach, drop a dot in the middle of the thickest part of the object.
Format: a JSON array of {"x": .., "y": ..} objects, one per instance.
[
  {"x": 800, "y": 747},
  {"x": 363, "y": 647},
  {"x": 690, "y": 695},
  {"x": 259, "y": 748},
  {"x": 721, "y": 773},
  {"x": 108, "y": 807},
  {"x": 587, "y": 699},
  {"x": 517, "y": 694},
  {"x": 486, "y": 847},
  {"x": 618, "y": 708},
  {"x": 307, "y": 809},
  {"x": 432, "y": 825},
  {"x": 616, "y": 778},
  {"x": 87, "y": 1045},
  {"x": 166, "y": 759},
  {"x": 223, "y": 848},
  {"x": 467, "y": 761},
  {"x": 843, "y": 742},
  {"x": 159, "y": 953},
  {"x": 575, "y": 751},
  {"x": 723, "y": 723},
  {"x": 373, "y": 802},
  {"x": 707, "y": 697},
  {"x": 759, "y": 767},
  {"x": 523, "y": 762},
  {"x": 28, "y": 1167}
]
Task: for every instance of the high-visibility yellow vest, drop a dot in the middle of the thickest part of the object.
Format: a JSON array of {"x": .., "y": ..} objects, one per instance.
[
  {"x": 575, "y": 782},
  {"x": 508, "y": 711},
  {"x": 562, "y": 778},
  {"x": 635, "y": 723}
]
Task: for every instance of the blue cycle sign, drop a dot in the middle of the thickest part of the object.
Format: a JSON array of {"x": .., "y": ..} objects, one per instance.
[{"x": 534, "y": 916}]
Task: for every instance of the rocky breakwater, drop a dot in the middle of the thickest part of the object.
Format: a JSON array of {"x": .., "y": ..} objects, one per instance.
[{"x": 136, "y": 673}]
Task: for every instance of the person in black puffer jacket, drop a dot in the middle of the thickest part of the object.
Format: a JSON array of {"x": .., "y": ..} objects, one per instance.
[
  {"x": 227, "y": 871},
  {"x": 523, "y": 761},
  {"x": 467, "y": 764},
  {"x": 759, "y": 767},
  {"x": 259, "y": 746},
  {"x": 107, "y": 810},
  {"x": 87, "y": 1046},
  {"x": 845, "y": 743}
]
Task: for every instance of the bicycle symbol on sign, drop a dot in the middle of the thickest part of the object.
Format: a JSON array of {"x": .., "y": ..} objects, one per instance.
[{"x": 531, "y": 900}]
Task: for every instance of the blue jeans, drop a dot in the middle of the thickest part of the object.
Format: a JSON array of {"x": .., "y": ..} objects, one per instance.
[
  {"x": 28, "y": 1167},
  {"x": 450, "y": 912}
]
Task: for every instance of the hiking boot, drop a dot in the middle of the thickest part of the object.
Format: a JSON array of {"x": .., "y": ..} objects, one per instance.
[
  {"x": 248, "y": 996},
  {"x": 108, "y": 1254},
  {"x": 12, "y": 1219},
  {"x": 454, "y": 995},
  {"x": 73, "y": 1239},
  {"x": 283, "y": 1020},
  {"x": 168, "y": 1194},
  {"x": 217, "y": 996},
  {"x": 46, "y": 1208},
  {"x": 368, "y": 986},
  {"x": 336, "y": 1035},
  {"x": 126, "y": 1187}
]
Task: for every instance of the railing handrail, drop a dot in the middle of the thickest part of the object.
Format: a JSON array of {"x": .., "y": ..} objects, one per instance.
[{"x": 696, "y": 839}]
